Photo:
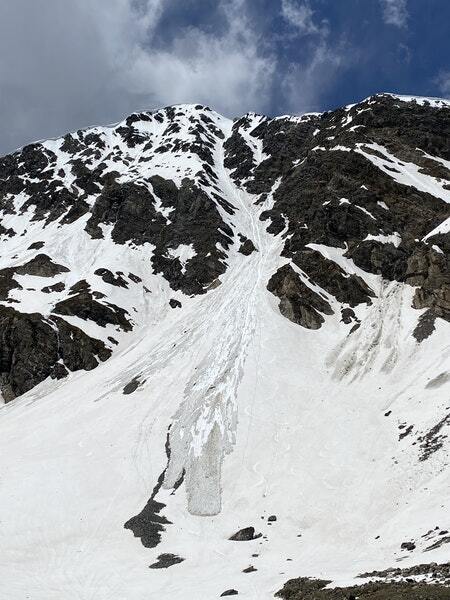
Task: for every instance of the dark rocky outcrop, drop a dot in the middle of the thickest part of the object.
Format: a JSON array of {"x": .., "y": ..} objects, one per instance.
[
  {"x": 134, "y": 278},
  {"x": 111, "y": 278},
  {"x": 304, "y": 588},
  {"x": 407, "y": 546},
  {"x": 429, "y": 269},
  {"x": 32, "y": 348},
  {"x": 331, "y": 194},
  {"x": 131, "y": 386},
  {"x": 298, "y": 302},
  {"x": 56, "y": 287},
  {"x": 433, "y": 439},
  {"x": 77, "y": 349},
  {"x": 40, "y": 266},
  {"x": 131, "y": 208},
  {"x": 84, "y": 306},
  {"x": 7, "y": 283},
  {"x": 239, "y": 157},
  {"x": 327, "y": 274},
  {"x": 166, "y": 560},
  {"x": 445, "y": 539},
  {"x": 36, "y": 246},
  {"x": 195, "y": 220},
  {"x": 149, "y": 524},
  {"x": 245, "y": 535},
  {"x": 439, "y": 572},
  {"x": 250, "y": 569},
  {"x": 247, "y": 247},
  {"x": 381, "y": 259}
]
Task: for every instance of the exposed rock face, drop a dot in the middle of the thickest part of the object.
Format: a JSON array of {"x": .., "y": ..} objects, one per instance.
[
  {"x": 247, "y": 246},
  {"x": 331, "y": 277},
  {"x": 84, "y": 306},
  {"x": 315, "y": 589},
  {"x": 245, "y": 535},
  {"x": 33, "y": 348},
  {"x": 439, "y": 572},
  {"x": 111, "y": 278},
  {"x": 194, "y": 219},
  {"x": 131, "y": 386},
  {"x": 56, "y": 287},
  {"x": 166, "y": 560},
  {"x": 357, "y": 192},
  {"x": 250, "y": 569},
  {"x": 40, "y": 266},
  {"x": 336, "y": 196},
  {"x": 298, "y": 302}
]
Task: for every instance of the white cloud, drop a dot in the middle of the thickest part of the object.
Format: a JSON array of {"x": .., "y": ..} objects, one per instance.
[
  {"x": 65, "y": 65},
  {"x": 395, "y": 12},
  {"x": 300, "y": 15},
  {"x": 443, "y": 83},
  {"x": 306, "y": 83},
  {"x": 307, "y": 80},
  {"x": 226, "y": 71}
]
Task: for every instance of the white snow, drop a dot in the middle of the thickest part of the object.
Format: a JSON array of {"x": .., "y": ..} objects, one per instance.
[
  {"x": 299, "y": 118},
  {"x": 184, "y": 253},
  {"x": 422, "y": 100},
  {"x": 365, "y": 211},
  {"x": 341, "y": 148},
  {"x": 393, "y": 238},
  {"x": 443, "y": 227},
  {"x": 404, "y": 172}
]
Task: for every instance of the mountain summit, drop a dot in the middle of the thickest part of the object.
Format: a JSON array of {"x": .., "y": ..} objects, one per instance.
[{"x": 224, "y": 353}]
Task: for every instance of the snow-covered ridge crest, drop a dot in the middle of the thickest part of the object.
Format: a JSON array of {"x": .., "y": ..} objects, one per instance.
[{"x": 424, "y": 100}]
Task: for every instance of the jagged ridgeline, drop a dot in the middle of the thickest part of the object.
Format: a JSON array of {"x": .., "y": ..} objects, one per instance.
[{"x": 91, "y": 220}]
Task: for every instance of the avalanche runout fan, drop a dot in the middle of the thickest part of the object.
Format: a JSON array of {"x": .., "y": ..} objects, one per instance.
[{"x": 224, "y": 356}]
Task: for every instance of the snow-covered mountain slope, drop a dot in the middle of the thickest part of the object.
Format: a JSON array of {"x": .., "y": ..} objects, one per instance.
[{"x": 206, "y": 323}]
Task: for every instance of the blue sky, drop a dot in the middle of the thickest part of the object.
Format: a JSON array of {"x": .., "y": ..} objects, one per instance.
[
  {"x": 394, "y": 46},
  {"x": 66, "y": 65}
]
